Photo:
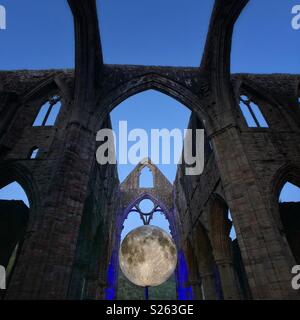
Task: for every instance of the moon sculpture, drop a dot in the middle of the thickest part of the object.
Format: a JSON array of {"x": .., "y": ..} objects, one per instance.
[{"x": 148, "y": 256}]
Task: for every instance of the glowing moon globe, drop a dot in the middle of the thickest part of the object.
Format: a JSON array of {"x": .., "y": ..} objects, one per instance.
[{"x": 148, "y": 256}]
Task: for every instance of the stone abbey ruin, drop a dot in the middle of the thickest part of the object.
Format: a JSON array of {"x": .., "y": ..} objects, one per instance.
[{"x": 69, "y": 238}]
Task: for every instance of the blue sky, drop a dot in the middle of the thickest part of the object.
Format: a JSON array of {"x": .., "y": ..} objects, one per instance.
[
  {"x": 264, "y": 41},
  {"x": 150, "y": 110},
  {"x": 40, "y": 35},
  {"x": 156, "y": 32}
]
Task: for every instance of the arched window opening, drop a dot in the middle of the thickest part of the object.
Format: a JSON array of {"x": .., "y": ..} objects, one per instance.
[
  {"x": 48, "y": 113},
  {"x": 14, "y": 215},
  {"x": 146, "y": 178},
  {"x": 133, "y": 221},
  {"x": 252, "y": 113},
  {"x": 141, "y": 111},
  {"x": 225, "y": 247},
  {"x": 125, "y": 289},
  {"x": 14, "y": 191},
  {"x": 33, "y": 153},
  {"x": 146, "y": 205},
  {"x": 289, "y": 205},
  {"x": 160, "y": 220},
  {"x": 232, "y": 230},
  {"x": 144, "y": 110}
]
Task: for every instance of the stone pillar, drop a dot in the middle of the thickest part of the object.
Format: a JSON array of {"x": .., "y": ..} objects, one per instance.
[
  {"x": 194, "y": 278},
  {"x": 196, "y": 287},
  {"x": 45, "y": 264},
  {"x": 222, "y": 250},
  {"x": 228, "y": 277},
  {"x": 203, "y": 252},
  {"x": 267, "y": 262},
  {"x": 208, "y": 285}
]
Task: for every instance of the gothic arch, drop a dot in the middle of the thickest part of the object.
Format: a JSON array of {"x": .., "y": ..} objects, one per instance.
[
  {"x": 255, "y": 91},
  {"x": 24, "y": 219},
  {"x": 220, "y": 227},
  {"x": 205, "y": 261},
  {"x": 258, "y": 94},
  {"x": 43, "y": 89},
  {"x": 139, "y": 168},
  {"x": 164, "y": 209},
  {"x": 152, "y": 81},
  {"x": 287, "y": 173},
  {"x": 192, "y": 263},
  {"x": 11, "y": 171},
  {"x": 141, "y": 172},
  {"x": 112, "y": 279},
  {"x": 38, "y": 96}
]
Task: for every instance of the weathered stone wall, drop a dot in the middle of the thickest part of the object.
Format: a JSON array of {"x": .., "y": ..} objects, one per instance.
[
  {"x": 161, "y": 191},
  {"x": 270, "y": 152},
  {"x": 267, "y": 150},
  {"x": 64, "y": 185}
]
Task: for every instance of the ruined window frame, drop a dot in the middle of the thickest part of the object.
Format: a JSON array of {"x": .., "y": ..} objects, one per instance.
[
  {"x": 247, "y": 102},
  {"x": 34, "y": 152},
  {"x": 53, "y": 101}
]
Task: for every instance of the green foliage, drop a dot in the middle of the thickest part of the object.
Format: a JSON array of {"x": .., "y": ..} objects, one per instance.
[{"x": 129, "y": 291}]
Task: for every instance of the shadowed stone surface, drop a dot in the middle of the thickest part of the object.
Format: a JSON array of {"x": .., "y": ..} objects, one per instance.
[{"x": 78, "y": 207}]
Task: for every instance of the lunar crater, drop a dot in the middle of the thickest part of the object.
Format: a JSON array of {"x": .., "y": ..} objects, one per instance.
[{"x": 148, "y": 256}]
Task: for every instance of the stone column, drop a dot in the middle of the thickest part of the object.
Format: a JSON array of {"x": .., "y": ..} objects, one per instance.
[
  {"x": 46, "y": 262},
  {"x": 222, "y": 250},
  {"x": 228, "y": 277},
  {"x": 194, "y": 278},
  {"x": 208, "y": 285},
  {"x": 196, "y": 287},
  {"x": 267, "y": 262},
  {"x": 204, "y": 256}
]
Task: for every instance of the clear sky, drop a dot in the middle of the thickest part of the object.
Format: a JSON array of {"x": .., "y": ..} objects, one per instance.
[{"x": 40, "y": 35}]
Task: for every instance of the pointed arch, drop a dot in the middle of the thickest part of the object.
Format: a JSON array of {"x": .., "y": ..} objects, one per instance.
[
  {"x": 11, "y": 171},
  {"x": 260, "y": 96},
  {"x": 53, "y": 86},
  {"x": 205, "y": 261},
  {"x": 286, "y": 214},
  {"x": 19, "y": 219},
  {"x": 220, "y": 227},
  {"x": 150, "y": 197},
  {"x": 286, "y": 173},
  {"x": 146, "y": 178},
  {"x": 156, "y": 82}
]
